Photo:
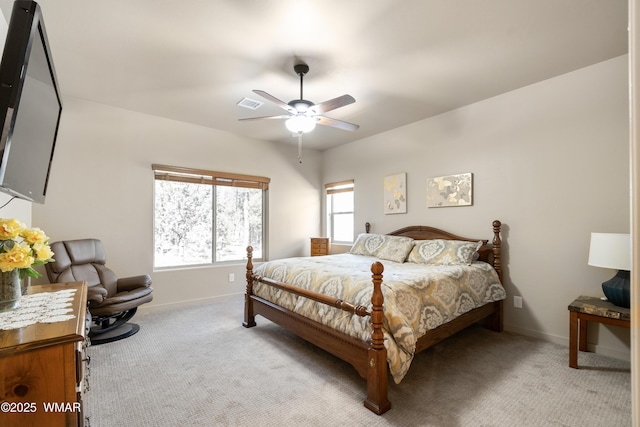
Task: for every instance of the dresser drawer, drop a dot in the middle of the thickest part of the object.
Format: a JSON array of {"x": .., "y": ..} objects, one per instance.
[{"x": 320, "y": 246}]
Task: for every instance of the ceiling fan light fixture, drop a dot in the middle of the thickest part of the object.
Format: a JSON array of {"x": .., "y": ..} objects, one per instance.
[
  {"x": 301, "y": 124},
  {"x": 303, "y": 115}
]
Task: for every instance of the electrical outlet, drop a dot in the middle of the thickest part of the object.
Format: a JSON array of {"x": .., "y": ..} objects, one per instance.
[
  {"x": 232, "y": 277},
  {"x": 517, "y": 302}
]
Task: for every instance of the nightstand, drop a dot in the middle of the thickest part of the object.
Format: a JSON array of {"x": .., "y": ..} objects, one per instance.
[
  {"x": 320, "y": 246},
  {"x": 591, "y": 309}
]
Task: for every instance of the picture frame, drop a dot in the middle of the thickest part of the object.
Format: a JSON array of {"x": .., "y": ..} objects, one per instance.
[
  {"x": 450, "y": 190},
  {"x": 395, "y": 194}
]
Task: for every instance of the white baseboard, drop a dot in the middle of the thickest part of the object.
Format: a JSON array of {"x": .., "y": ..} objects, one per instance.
[
  {"x": 153, "y": 307},
  {"x": 595, "y": 348}
]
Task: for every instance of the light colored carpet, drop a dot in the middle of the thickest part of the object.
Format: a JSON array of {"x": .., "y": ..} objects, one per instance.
[{"x": 195, "y": 365}]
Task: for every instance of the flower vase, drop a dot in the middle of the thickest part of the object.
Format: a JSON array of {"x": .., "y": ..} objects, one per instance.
[
  {"x": 24, "y": 284},
  {"x": 10, "y": 289}
]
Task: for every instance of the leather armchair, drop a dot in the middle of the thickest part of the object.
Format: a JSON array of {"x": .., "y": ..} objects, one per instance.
[{"x": 111, "y": 301}]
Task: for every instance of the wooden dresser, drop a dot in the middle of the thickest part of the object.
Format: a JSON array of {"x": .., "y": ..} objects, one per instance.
[
  {"x": 320, "y": 246},
  {"x": 42, "y": 372}
]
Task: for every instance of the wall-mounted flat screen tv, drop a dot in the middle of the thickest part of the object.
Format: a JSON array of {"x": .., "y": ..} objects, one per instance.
[{"x": 30, "y": 105}]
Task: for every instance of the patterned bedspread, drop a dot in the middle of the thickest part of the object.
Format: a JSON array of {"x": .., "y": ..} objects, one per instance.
[{"x": 417, "y": 297}]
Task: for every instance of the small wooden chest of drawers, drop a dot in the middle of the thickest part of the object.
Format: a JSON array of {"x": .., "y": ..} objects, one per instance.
[
  {"x": 42, "y": 367},
  {"x": 320, "y": 246}
]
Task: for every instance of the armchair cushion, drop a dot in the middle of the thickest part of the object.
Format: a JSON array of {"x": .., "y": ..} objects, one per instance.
[
  {"x": 131, "y": 283},
  {"x": 127, "y": 296},
  {"x": 86, "y": 251},
  {"x": 122, "y": 302},
  {"x": 96, "y": 295}
]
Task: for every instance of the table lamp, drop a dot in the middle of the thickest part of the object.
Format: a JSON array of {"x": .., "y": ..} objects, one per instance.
[{"x": 611, "y": 250}]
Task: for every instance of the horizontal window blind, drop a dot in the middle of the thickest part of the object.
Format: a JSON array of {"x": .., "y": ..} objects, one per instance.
[
  {"x": 201, "y": 176},
  {"x": 339, "y": 187}
]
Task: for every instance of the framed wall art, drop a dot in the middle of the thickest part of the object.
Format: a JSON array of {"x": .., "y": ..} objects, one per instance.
[
  {"x": 395, "y": 194},
  {"x": 450, "y": 190}
]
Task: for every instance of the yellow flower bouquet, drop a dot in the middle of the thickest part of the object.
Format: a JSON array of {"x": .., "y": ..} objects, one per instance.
[{"x": 22, "y": 248}]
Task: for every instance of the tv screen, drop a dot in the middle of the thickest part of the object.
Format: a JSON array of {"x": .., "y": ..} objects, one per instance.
[{"x": 30, "y": 105}]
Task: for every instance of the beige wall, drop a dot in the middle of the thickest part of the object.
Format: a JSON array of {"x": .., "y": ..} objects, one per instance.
[
  {"x": 16, "y": 208},
  {"x": 550, "y": 160},
  {"x": 102, "y": 186}
]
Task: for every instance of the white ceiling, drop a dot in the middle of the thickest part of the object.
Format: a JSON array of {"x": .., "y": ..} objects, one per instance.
[{"x": 402, "y": 60}]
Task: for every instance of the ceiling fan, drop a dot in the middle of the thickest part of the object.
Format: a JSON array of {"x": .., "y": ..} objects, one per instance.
[{"x": 303, "y": 115}]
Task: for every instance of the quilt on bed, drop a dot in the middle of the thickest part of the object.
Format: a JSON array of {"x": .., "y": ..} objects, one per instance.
[{"x": 417, "y": 297}]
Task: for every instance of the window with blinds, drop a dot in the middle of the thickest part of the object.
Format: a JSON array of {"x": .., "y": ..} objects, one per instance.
[
  {"x": 205, "y": 217},
  {"x": 340, "y": 211}
]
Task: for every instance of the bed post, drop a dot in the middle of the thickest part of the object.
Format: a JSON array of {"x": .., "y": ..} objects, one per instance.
[
  {"x": 496, "y": 320},
  {"x": 249, "y": 317},
  {"x": 497, "y": 251},
  {"x": 377, "y": 399}
]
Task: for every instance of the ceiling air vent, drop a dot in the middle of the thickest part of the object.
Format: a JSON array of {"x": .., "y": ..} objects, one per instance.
[{"x": 251, "y": 104}]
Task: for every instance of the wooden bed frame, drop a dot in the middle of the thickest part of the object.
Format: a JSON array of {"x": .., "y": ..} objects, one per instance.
[{"x": 370, "y": 358}]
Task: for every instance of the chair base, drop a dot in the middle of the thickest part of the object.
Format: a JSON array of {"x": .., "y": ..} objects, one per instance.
[
  {"x": 115, "y": 334},
  {"x": 112, "y": 327}
]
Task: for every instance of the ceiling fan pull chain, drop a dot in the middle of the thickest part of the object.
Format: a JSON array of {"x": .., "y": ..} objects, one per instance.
[{"x": 300, "y": 147}]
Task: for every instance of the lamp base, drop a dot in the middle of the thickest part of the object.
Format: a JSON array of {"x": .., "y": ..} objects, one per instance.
[{"x": 617, "y": 289}]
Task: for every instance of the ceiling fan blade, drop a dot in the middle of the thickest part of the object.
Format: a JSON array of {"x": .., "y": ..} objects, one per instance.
[
  {"x": 332, "y": 104},
  {"x": 328, "y": 121},
  {"x": 275, "y": 100},
  {"x": 284, "y": 116}
]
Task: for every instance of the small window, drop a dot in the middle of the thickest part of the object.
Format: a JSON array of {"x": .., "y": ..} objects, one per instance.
[
  {"x": 340, "y": 217},
  {"x": 205, "y": 217}
]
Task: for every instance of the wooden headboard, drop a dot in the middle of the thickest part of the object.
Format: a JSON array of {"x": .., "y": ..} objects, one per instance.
[{"x": 489, "y": 252}]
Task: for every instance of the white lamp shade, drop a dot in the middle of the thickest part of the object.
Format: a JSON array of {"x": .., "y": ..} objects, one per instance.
[
  {"x": 301, "y": 124},
  {"x": 610, "y": 250}
]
